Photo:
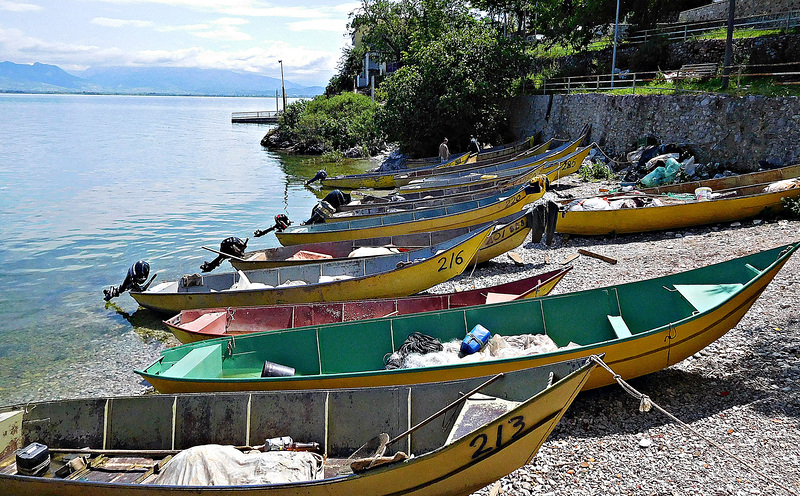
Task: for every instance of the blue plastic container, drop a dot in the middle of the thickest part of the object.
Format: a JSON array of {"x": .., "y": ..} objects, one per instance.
[{"x": 475, "y": 340}]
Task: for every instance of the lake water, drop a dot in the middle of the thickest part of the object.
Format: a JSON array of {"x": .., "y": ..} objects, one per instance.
[{"x": 89, "y": 185}]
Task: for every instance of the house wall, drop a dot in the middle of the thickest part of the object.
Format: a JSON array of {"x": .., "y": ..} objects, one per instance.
[{"x": 740, "y": 131}]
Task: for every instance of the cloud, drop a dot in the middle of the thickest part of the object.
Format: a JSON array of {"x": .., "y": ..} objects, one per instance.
[
  {"x": 334, "y": 25},
  {"x": 119, "y": 23},
  {"x": 12, "y": 6},
  {"x": 224, "y": 28}
]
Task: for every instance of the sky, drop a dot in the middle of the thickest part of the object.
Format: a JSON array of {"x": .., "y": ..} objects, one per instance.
[{"x": 241, "y": 35}]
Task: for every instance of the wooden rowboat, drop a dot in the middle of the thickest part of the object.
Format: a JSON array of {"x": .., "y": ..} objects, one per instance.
[
  {"x": 553, "y": 170},
  {"x": 410, "y": 179},
  {"x": 433, "y": 219},
  {"x": 377, "y": 180},
  {"x": 404, "y": 177},
  {"x": 674, "y": 213},
  {"x": 728, "y": 182},
  {"x": 131, "y": 439},
  {"x": 190, "y": 326},
  {"x": 400, "y": 274},
  {"x": 641, "y": 327},
  {"x": 509, "y": 233}
]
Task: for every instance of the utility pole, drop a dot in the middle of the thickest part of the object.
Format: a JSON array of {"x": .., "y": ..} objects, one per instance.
[
  {"x": 728, "y": 45},
  {"x": 614, "y": 53},
  {"x": 283, "y": 87}
]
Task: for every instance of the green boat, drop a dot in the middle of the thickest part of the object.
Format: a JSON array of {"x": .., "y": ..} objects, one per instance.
[{"x": 642, "y": 327}]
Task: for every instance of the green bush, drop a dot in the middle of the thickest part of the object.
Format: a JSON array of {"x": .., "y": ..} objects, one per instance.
[
  {"x": 332, "y": 124},
  {"x": 792, "y": 206},
  {"x": 596, "y": 171}
]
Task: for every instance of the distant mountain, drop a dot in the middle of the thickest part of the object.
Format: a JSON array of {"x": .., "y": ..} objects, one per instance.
[
  {"x": 39, "y": 77},
  {"x": 144, "y": 80}
]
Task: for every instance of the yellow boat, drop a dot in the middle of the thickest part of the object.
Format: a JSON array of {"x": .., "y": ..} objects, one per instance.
[
  {"x": 673, "y": 213},
  {"x": 433, "y": 219},
  {"x": 728, "y": 182},
  {"x": 641, "y": 327},
  {"x": 444, "y": 440},
  {"x": 377, "y": 180},
  {"x": 553, "y": 170},
  {"x": 386, "y": 276},
  {"x": 491, "y": 172},
  {"x": 404, "y": 177},
  {"x": 509, "y": 233}
]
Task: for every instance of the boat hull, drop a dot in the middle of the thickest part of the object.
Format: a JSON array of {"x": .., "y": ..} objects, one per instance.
[
  {"x": 191, "y": 326},
  {"x": 481, "y": 456},
  {"x": 403, "y": 281},
  {"x": 666, "y": 330},
  {"x": 424, "y": 222},
  {"x": 694, "y": 213}
]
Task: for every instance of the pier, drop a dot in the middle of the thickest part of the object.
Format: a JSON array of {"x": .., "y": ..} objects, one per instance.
[{"x": 264, "y": 117}]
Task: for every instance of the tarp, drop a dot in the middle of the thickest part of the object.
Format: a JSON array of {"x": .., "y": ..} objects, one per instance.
[{"x": 216, "y": 465}]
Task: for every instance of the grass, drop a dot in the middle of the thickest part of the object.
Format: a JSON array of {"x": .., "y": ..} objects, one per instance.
[{"x": 722, "y": 33}]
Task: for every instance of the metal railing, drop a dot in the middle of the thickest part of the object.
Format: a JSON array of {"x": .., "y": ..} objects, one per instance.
[
  {"x": 637, "y": 80},
  {"x": 683, "y": 31},
  {"x": 266, "y": 114}
]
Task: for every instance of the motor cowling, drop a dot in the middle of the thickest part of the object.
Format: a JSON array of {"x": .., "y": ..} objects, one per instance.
[
  {"x": 134, "y": 280},
  {"x": 230, "y": 247}
]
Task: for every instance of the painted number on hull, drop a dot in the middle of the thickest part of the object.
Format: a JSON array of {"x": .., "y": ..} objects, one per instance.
[
  {"x": 481, "y": 441},
  {"x": 455, "y": 258}
]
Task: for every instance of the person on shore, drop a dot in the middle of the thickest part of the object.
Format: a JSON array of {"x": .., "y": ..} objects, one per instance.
[
  {"x": 444, "y": 152},
  {"x": 474, "y": 147}
]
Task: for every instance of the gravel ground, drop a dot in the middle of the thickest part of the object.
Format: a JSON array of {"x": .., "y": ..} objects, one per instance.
[{"x": 742, "y": 392}]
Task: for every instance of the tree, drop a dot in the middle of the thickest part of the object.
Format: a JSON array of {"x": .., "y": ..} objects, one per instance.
[
  {"x": 349, "y": 65},
  {"x": 452, "y": 86}
]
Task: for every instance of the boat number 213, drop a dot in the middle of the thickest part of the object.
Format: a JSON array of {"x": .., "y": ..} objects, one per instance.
[
  {"x": 447, "y": 263},
  {"x": 484, "y": 445}
]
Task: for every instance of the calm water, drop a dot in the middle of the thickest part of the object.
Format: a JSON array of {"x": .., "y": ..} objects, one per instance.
[{"x": 90, "y": 184}]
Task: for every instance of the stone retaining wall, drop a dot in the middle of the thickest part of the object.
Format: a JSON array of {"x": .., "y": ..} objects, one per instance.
[
  {"x": 738, "y": 130},
  {"x": 744, "y": 8}
]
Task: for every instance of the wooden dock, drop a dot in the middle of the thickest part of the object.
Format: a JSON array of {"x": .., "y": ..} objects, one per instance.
[{"x": 265, "y": 117}]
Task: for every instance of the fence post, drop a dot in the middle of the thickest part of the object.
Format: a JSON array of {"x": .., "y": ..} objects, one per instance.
[
  {"x": 544, "y": 86},
  {"x": 685, "y": 28},
  {"x": 598, "y": 83},
  {"x": 739, "y": 78},
  {"x": 634, "y": 83},
  {"x": 569, "y": 85}
]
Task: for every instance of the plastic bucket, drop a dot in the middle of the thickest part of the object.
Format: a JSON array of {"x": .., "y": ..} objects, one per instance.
[
  {"x": 272, "y": 369},
  {"x": 703, "y": 193}
]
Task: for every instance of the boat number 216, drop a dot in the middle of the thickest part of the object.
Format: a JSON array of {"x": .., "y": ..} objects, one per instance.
[
  {"x": 447, "y": 262},
  {"x": 484, "y": 444}
]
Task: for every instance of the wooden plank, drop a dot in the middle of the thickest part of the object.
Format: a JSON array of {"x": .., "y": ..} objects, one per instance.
[
  {"x": 569, "y": 259},
  {"x": 604, "y": 258}
]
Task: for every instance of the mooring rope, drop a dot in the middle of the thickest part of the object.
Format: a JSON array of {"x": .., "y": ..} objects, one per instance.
[{"x": 646, "y": 404}]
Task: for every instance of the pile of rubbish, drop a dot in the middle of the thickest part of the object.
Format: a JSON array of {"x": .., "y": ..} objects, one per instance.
[{"x": 669, "y": 163}]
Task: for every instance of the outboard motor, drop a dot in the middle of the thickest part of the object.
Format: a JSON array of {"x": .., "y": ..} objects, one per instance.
[
  {"x": 230, "y": 247},
  {"x": 134, "y": 280},
  {"x": 328, "y": 206},
  {"x": 320, "y": 175},
  {"x": 281, "y": 222}
]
